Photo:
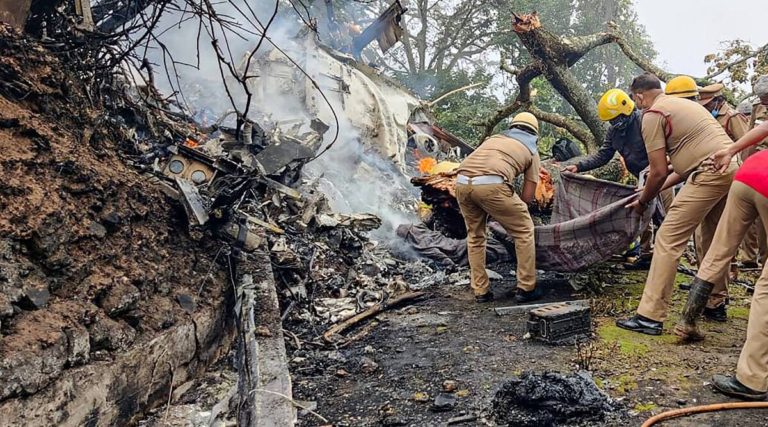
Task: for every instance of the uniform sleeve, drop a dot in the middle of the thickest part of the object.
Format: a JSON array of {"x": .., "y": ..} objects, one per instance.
[
  {"x": 738, "y": 126},
  {"x": 653, "y": 132},
  {"x": 532, "y": 173},
  {"x": 603, "y": 155}
]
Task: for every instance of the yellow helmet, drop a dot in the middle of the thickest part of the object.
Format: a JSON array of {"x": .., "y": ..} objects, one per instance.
[
  {"x": 613, "y": 103},
  {"x": 526, "y": 120},
  {"x": 682, "y": 87}
]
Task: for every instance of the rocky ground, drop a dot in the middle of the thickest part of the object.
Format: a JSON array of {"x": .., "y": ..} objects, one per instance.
[{"x": 395, "y": 374}]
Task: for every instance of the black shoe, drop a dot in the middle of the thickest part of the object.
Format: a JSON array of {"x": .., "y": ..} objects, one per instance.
[
  {"x": 642, "y": 263},
  {"x": 638, "y": 323},
  {"x": 730, "y": 386},
  {"x": 748, "y": 265},
  {"x": 522, "y": 297},
  {"x": 486, "y": 297},
  {"x": 717, "y": 314}
]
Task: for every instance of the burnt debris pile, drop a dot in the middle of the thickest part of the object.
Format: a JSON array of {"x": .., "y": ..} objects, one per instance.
[{"x": 552, "y": 399}]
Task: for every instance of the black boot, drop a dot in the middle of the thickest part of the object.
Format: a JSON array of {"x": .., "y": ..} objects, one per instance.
[
  {"x": 522, "y": 297},
  {"x": 697, "y": 300},
  {"x": 717, "y": 314},
  {"x": 642, "y": 324},
  {"x": 486, "y": 297},
  {"x": 730, "y": 386}
]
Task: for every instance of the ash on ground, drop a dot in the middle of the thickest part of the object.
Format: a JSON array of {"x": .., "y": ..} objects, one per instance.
[{"x": 553, "y": 399}]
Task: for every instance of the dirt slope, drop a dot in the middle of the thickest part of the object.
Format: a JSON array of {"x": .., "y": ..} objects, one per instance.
[{"x": 93, "y": 258}]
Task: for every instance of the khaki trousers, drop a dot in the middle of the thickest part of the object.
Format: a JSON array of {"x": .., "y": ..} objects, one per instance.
[
  {"x": 700, "y": 201},
  {"x": 646, "y": 239},
  {"x": 743, "y": 207},
  {"x": 477, "y": 202},
  {"x": 754, "y": 248}
]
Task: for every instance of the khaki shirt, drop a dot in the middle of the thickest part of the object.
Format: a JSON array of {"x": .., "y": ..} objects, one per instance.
[
  {"x": 759, "y": 115},
  {"x": 685, "y": 129},
  {"x": 734, "y": 123},
  {"x": 502, "y": 156}
]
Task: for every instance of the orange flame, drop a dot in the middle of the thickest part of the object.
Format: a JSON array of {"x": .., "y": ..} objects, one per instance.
[
  {"x": 426, "y": 164},
  {"x": 191, "y": 143}
]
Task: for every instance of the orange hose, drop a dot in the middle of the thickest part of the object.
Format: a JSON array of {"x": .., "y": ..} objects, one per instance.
[{"x": 702, "y": 409}]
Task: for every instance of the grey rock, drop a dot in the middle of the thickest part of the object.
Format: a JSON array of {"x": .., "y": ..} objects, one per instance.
[
  {"x": 34, "y": 298},
  {"x": 186, "y": 302},
  {"x": 107, "y": 334},
  {"x": 492, "y": 275},
  {"x": 444, "y": 402},
  {"x": 78, "y": 346},
  {"x": 120, "y": 298},
  {"x": 97, "y": 230},
  {"x": 368, "y": 365}
]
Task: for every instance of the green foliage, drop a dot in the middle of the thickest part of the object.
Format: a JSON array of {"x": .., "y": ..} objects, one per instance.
[
  {"x": 735, "y": 71},
  {"x": 456, "y": 112}
]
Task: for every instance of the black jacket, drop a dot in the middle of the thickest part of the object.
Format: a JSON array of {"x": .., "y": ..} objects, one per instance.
[{"x": 627, "y": 141}]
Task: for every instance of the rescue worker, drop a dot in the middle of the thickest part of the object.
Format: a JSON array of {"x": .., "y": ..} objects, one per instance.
[
  {"x": 754, "y": 249},
  {"x": 747, "y": 202},
  {"x": 735, "y": 125},
  {"x": 682, "y": 87},
  {"x": 688, "y": 134},
  {"x": 625, "y": 136},
  {"x": 484, "y": 188}
]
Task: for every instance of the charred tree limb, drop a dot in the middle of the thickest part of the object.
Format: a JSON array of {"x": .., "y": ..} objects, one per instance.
[{"x": 524, "y": 77}]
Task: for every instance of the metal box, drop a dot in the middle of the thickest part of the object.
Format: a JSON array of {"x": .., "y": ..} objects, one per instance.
[{"x": 560, "y": 323}]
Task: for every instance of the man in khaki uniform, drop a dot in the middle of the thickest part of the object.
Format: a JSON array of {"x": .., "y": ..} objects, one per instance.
[
  {"x": 484, "y": 188},
  {"x": 754, "y": 251},
  {"x": 688, "y": 134},
  {"x": 747, "y": 202},
  {"x": 735, "y": 125}
]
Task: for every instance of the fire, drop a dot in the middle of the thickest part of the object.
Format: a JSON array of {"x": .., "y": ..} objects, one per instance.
[
  {"x": 545, "y": 190},
  {"x": 426, "y": 164}
]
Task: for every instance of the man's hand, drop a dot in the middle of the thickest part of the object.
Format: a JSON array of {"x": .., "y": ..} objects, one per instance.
[
  {"x": 638, "y": 207},
  {"x": 719, "y": 160},
  {"x": 571, "y": 169}
]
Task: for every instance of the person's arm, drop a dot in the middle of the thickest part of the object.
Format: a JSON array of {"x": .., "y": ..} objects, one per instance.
[
  {"x": 721, "y": 159},
  {"x": 529, "y": 191},
  {"x": 603, "y": 156},
  {"x": 531, "y": 180},
  {"x": 655, "y": 144}
]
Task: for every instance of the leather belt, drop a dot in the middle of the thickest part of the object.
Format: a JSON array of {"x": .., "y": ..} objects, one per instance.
[{"x": 480, "y": 180}]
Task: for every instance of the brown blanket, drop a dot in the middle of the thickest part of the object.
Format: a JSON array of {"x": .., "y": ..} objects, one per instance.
[{"x": 589, "y": 224}]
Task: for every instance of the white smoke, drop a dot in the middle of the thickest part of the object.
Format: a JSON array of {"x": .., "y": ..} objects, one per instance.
[{"x": 354, "y": 178}]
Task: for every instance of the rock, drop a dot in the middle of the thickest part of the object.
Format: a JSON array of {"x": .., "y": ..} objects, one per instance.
[
  {"x": 111, "y": 220},
  {"x": 107, "y": 334},
  {"x": 682, "y": 402},
  {"x": 97, "y": 230},
  {"x": 186, "y": 302},
  {"x": 34, "y": 298},
  {"x": 120, "y": 298},
  {"x": 341, "y": 373},
  {"x": 78, "y": 346},
  {"x": 369, "y": 350},
  {"x": 393, "y": 421},
  {"x": 492, "y": 275},
  {"x": 6, "y": 308},
  {"x": 368, "y": 365},
  {"x": 449, "y": 386},
  {"x": 420, "y": 396},
  {"x": 444, "y": 402}
]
